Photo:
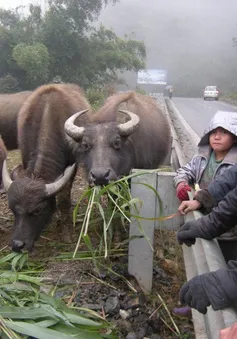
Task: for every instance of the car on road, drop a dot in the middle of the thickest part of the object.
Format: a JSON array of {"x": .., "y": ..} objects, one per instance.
[{"x": 211, "y": 92}]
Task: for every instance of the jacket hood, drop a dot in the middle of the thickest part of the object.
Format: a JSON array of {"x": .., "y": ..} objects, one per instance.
[{"x": 226, "y": 120}]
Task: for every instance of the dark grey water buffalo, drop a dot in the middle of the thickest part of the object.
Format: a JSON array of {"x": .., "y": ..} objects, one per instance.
[
  {"x": 10, "y": 105},
  {"x": 48, "y": 165},
  {"x": 110, "y": 149}
]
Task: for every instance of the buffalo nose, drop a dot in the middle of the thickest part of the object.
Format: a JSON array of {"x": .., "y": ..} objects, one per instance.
[
  {"x": 100, "y": 176},
  {"x": 17, "y": 245}
]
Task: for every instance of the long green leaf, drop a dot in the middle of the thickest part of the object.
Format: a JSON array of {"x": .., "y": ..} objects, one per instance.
[
  {"x": 53, "y": 312},
  {"x": 47, "y": 322},
  {"x": 17, "y": 287},
  {"x": 8, "y": 257},
  {"x": 14, "y": 276},
  {"x": 76, "y": 318},
  {"x": 104, "y": 229},
  {"x": 24, "y": 313},
  {"x": 37, "y": 331},
  {"x": 82, "y": 333}
]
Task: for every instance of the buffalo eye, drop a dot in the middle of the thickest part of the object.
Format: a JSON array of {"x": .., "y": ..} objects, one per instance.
[
  {"x": 117, "y": 143},
  {"x": 36, "y": 212},
  {"x": 85, "y": 146}
]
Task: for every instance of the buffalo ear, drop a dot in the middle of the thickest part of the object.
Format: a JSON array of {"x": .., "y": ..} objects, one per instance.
[{"x": 56, "y": 186}]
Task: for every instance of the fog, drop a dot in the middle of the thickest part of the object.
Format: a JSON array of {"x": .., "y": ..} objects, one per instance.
[{"x": 192, "y": 40}]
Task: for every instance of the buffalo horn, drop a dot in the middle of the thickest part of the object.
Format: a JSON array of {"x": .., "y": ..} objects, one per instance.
[
  {"x": 129, "y": 126},
  {"x": 75, "y": 132},
  {"x": 53, "y": 188},
  {"x": 7, "y": 181}
]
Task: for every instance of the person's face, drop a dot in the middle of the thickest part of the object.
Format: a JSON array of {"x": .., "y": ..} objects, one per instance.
[{"x": 221, "y": 140}]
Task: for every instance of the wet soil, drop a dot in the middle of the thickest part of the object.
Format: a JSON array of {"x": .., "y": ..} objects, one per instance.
[{"x": 109, "y": 290}]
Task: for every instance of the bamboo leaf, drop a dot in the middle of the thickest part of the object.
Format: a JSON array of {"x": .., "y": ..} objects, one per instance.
[
  {"x": 37, "y": 331},
  {"x": 47, "y": 322},
  {"x": 15, "y": 276},
  {"x": 17, "y": 287},
  {"x": 8, "y": 257},
  {"x": 24, "y": 312},
  {"x": 20, "y": 257},
  {"x": 23, "y": 260},
  {"x": 82, "y": 333},
  {"x": 76, "y": 318}
]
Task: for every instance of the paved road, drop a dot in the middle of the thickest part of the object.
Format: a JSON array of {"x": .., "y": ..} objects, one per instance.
[{"x": 198, "y": 112}]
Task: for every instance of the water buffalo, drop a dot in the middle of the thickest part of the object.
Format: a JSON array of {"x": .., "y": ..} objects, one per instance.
[
  {"x": 3, "y": 154},
  {"x": 10, "y": 105},
  {"x": 109, "y": 149},
  {"x": 48, "y": 164}
]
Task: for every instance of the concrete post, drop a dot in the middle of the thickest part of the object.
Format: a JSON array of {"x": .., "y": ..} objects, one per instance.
[{"x": 140, "y": 256}]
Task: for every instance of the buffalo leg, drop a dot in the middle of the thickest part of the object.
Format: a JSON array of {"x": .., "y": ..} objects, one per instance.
[{"x": 65, "y": 222}]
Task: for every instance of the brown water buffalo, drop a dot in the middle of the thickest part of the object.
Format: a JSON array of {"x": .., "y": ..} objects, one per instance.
[
  {"x": 10, "y": 105},
  {"x": 109, "y": 149},
  {"x": 3, "y": 154},
  {"x": 48, "y": 164}
]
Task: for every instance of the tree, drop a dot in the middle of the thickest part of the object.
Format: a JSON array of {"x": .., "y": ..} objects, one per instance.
[
  {"x": 14, "y": 29},
  {"x": 80, "y": 13},
  {"x": 82, "y": 54},
  {"x": 62, "y": 42},
  {"x": 106, "y": 54},
  {"x": 34, "y": 60}
]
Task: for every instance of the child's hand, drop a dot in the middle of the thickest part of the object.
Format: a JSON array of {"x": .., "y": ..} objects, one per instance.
[
  {"x": 189, "y": 206},
  {"x": 182, "y": 190}
]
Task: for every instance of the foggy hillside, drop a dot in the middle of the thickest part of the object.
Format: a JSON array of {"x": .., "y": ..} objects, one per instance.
[{"x": 191, "y": 39}]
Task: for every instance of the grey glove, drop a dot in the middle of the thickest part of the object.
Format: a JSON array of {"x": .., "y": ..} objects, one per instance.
[
  {"x": 191, "y": 230},
  {"x": 193, "y": 294},
  {"x": 218, "y": 289}
]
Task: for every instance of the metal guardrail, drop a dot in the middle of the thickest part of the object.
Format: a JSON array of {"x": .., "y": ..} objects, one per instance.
[{"x": 204, "y": 256}]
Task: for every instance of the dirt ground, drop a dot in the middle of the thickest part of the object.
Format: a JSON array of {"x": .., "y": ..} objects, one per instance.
[{"x": 111, "y": 292}]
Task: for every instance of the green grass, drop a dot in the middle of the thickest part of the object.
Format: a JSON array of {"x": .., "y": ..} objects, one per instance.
[{"x": 25, "y": 311}]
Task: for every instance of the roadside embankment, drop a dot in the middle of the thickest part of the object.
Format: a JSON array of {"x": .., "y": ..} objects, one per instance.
[{"x": 230, "y": 98}]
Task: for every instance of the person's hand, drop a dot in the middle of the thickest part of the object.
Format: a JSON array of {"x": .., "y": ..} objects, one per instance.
[
  {"x": 193, "y": 293},
  {"x": 206, "y": 199},
  {"x": 189, "y": 206},
  {"x": 215, "y": 288},
  {"x": 187, "y": 234},
  {"x": 182, "y": 190}
]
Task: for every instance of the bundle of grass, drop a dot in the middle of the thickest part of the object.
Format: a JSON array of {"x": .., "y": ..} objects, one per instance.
[{"x": 104, "y": 205}]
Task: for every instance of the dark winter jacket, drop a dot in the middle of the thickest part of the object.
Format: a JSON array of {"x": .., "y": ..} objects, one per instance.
[
  {"x": 216, "y": 191},
  {"x": 221, "y": 219},
  {"x": 223, "y": 184},
  {"x": 219, "y": 288}
]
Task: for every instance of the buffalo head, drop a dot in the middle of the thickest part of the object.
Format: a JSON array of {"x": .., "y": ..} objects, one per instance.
[
  {"x": 104, "y": 148},
  {"x": 33, "y": 204}
]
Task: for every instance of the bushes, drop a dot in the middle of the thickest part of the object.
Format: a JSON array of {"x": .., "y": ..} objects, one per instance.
[
  {"x": 8, "y": 84},
  {"x": 97, "y": 96}
]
